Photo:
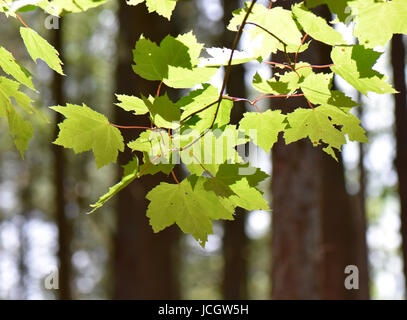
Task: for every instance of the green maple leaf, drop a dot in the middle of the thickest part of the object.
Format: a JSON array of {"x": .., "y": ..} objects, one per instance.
[
  {"x": 339, "y": 7},
  {"x": 189, "y": 206},
  {"x": 247, "y": 197},
  {"x": 282, "y": 84},
  {"x": 216, "y": 147},
  {"x": 162, "y": 7},
  {"x": 130, "y": 173},
  {"x": 230, "y": 173},
  {"x": 20, "y": 129},
  {"x": 316, "y": 27},
  {"x": 355, "y": 65},
  {"x": 347, "y": 123},
  {"x": 221, "y": 56},
  {"x": 39, "y": 48},
  {"x": 315, "y": 86},
  {"x": 57, "y": 7},
  {"x": 163, "y": 111},
  {"x": 156, "y": 147},
  {"x": 174, "y": 61},
  {"x": 154, "y": 165},
  {"x": 132, "y": 104},
  {"x": 271, "y": 86},
  {"x": 5, "y": 8},
  {"x": 10, "y": 7},
  {"x": 11, "y": 67},
  {"x": 340, "y": 100},
  {"x": 239, "y": 190},
  {"x": 85, "y": 129},
  {"x": 150, "y": 141},
  {"x": 149, "y": 61},
  {"x": 239, "y": 194},
  {"x": 317, "y": 89},
  {"x": 181, "y": 78},
  {"x": 11, "y": 89},
  {"x": 277, "y": 20},
  {"x": 198, "y": 100},
  {"x": 377, "y": 21},
  {"x": 194, "y": 47},
  {"x": 321, "y": 125},
  {"x": 154, "y": 143},
  {"x": 176, "y": 52},
  {"x": 263, "y": 128}
]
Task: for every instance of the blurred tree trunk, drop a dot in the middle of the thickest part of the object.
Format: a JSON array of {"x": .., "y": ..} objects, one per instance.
[
  {"x": 361, "y": 213},
  {"x": 296, "y": 221},
  {"x": 145, "y": 263},
  {"x": 234, "y": 284},
  {"x": 23, "y": 218},
  {"x": 343, "y": 235},
  {"x": 314, "y": 235},
  {"x": 60, "y": 167},
  {"x": 398, "y": 56}
]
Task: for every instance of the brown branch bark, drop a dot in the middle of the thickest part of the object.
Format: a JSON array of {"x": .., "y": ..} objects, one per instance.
[
  {"x": 398, "y": 56},
  {"x": 314, "y": 229}
]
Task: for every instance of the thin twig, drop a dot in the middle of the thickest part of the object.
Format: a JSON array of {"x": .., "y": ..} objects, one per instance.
[
  {"x": 279, "y": 96},
  {"x": 253, "y": 103},
  {"x": 195, "y": 141},
  {"x": 202, "y": 166},
  {"x": 148, "y": 165},
  {"x": 198, "y": 111},
  {"x": 174, "y": 176},
  {"x": 263, "y": 96},
  {"x": 299, "y": 48},
  {"x": 235, "y": 99},
  {"x": 130, "y": 127},
  {"x": 278, "y": 39},
  {"x": 159, "y": 88},
  {"x": 229, "y": 66},
  {"x": 21, "y": 20},
  {"x": 317, "y": 66},
  {"x": 310, "y": 104},
  {"x": 282, "y": 65},
  {"x": 267, "y": 31},
  {"x": 225, "y": 79}
]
